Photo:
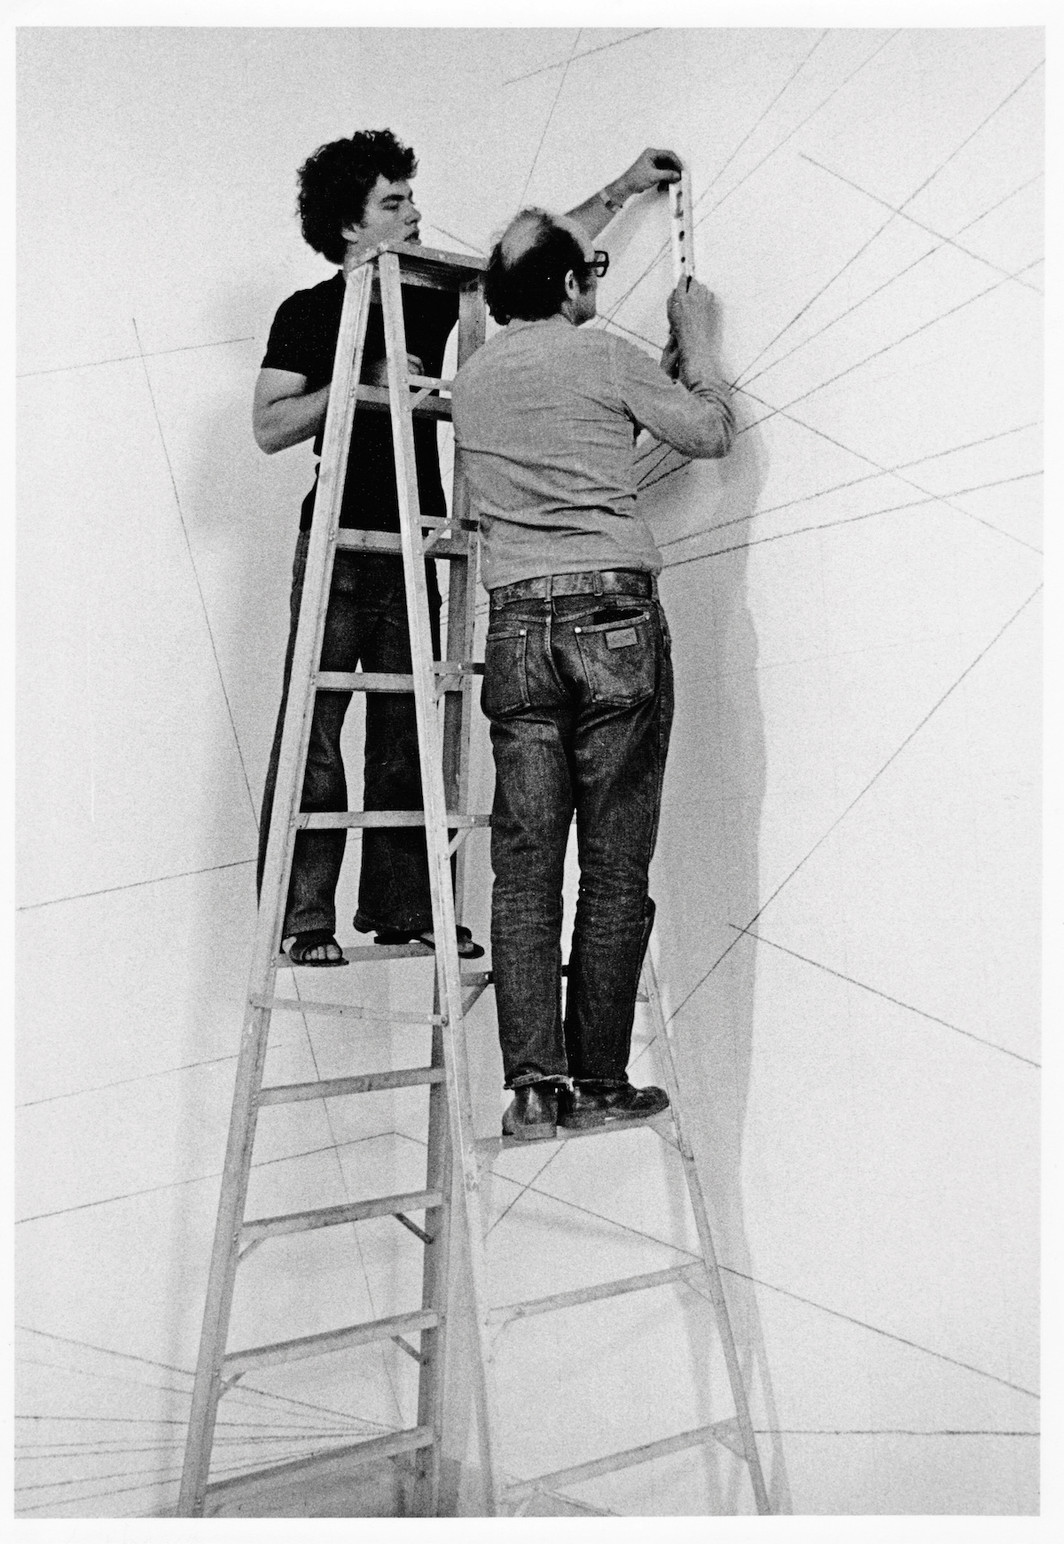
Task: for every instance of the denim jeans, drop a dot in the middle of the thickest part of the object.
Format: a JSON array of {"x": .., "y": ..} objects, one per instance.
[
  {"x": 366, "y": 625},
  {"x": 578, "y": 690}
]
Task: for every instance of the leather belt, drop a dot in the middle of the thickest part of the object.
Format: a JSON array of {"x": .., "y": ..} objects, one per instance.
[{"x": 599, "y": 581}]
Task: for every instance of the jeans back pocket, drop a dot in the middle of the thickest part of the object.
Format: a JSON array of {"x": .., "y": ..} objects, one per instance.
[
  {"x": 620, "y": 656},
  {"x": 505, "y": 687}
]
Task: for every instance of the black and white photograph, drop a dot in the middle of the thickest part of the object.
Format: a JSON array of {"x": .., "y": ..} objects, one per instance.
[{"x": 529, "y": 742}]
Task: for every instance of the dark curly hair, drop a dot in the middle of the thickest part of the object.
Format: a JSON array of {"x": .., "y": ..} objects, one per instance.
[
  {"x": 525, "y": 277},
  {"x": 335, "y": 180}
]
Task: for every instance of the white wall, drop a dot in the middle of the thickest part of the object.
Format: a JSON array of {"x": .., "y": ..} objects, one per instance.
[{"x": 848, "y": 869}]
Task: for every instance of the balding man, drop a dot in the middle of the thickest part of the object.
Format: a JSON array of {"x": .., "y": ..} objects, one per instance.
[{"x": 577, "y": 675}]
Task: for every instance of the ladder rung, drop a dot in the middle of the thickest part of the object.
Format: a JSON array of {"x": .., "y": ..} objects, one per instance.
[
  {"x": 390, "y": 541},
  {"x": 357, "y": 1083},
  {"x": 376, "y": 397},
  {"x": 333, "y": 1216},
  {"x": 339, "y": 1010},
  {"x": 380, "y": 681},
  {"x": 330, "y": 1340},
  {"x": 333, "y": 820},
  {"x": 594, "y": 1294},
  {"x": 366, "y": 954},
  {"x": 614, "y": 1461},
  {"x": 372, "y": 1450}
]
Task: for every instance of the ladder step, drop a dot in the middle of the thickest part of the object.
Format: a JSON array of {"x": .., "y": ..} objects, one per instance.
[
  {"x": 340, "y": 1010},
  {"x": 450, "y": 675},
  {"x": 364, "y": 954},
  {"x": 373, "y": 1450},
  {"x": 595, "y": 1294},
  {"x": 370, "y": 819},
  {"x": 330, "y": 1340},
  {"x": 661, "y": 1123},
  {"x": 360, "y": 1083},
  {"x": 333, "y": 1216},
  {"x": 621, "y": 1460}
]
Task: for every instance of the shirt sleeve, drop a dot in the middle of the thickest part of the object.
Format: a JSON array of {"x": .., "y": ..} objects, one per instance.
[
  {"x": 288, "y": 345},
  {"x": 696, "y": 419}
]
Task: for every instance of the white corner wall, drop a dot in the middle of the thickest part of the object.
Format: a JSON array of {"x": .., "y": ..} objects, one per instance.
[{"x": 847, "y": 877}]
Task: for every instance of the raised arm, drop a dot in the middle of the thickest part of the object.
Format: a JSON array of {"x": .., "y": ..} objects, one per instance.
[
  {"x": 654, "y": 168},
  {"x": 284, "y": 412}
]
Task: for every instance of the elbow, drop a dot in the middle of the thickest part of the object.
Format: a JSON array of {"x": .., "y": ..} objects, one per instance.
[
  {"x": 265, "y": 437},
  {"x": 717, "y": 440}
]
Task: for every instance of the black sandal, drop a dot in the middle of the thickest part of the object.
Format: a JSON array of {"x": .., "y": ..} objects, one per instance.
[
  {"x": 303, "y": 943},
  {"x": 467, "y": 949}
]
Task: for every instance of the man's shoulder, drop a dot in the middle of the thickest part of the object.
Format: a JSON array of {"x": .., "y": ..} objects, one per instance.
[{"x": 315, "y": 298}]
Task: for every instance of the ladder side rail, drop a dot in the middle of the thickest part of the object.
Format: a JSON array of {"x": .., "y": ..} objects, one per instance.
[
  {"x": 461, "y": 605},
  {"x": 435, "y": 1276},
  {"x": 664, "y": 1036},
  {"x": 460, "y": 1106},
  {"x": 287, "y": 794}
]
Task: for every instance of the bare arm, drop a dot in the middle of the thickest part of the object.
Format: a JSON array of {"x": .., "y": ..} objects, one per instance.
[
  {"x": 284, "y": 412},
  {"x": 652, "y": 169}
]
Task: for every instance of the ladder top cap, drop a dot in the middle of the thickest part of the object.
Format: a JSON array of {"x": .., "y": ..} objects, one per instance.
[{"x": 417, "y": 258}]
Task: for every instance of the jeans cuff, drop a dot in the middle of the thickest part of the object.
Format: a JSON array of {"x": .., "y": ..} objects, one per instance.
[{"x": 523, "y": 1079}]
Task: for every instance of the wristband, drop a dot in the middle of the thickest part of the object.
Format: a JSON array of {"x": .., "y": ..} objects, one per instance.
[{"x": 611, "y": 203}]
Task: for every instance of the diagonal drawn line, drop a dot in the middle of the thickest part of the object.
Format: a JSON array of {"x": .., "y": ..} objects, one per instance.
[
  {"x": 196, "y": 578},
  {"x": 888, "y": 1431},
  {"x": 665, "y": 248},
  {"x": 909, "y": 1008},
  {"x": 940, "y": 236},
  {"x": 927, "y": 180},
  {"x": 861, "y": 456},
  {"x": 238, "y": 1396},
  {"x": 142, "y": 1077},
  {"x": 827, "y": 525},
  {"x": 994, "y": 207},
  {"x": 755, "y": 375},
  {"x": 462, "y": 242},
  {"x": 889, "y": 347},
  {"x": 550, "y": 115},
  {"x": 584, "y": 54},
  {"x": 136, "y": 884},
  {"x": 859, "y": 796},
  {"x": 523, "y": 1190},
  {"x": 121, "y": 359},
  {"x": 887, "y": 1334},
  {"x": 852, "y": 482}
]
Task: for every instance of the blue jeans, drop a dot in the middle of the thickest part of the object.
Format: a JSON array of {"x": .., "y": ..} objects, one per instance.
[
  {"x": 366, "y": 625},
  {"x": 578, "y": 690}
]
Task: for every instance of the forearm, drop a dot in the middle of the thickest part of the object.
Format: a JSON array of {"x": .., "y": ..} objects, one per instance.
[
  {"x": 289, "y": 420},
  {"x": 595, "y": 213}
]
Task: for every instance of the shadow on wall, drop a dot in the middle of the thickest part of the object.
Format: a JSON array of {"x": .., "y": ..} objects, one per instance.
[{"x": 707, "y": 871}]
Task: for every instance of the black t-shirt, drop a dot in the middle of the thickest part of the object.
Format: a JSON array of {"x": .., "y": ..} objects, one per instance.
[{"x": 303, "y": 340}]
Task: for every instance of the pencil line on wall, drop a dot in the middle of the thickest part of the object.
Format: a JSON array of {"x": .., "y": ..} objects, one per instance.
[
  {"x": 121, "y": 359},
  {"x": 876, "y": 234},
  {"x": 199, "y": 587},
  {"x": 136, "y": 884},
  {"x": 550, "y": 115},
  {"x": 585, "y": 53},
  {"x": 852, "y": 482},
  {"x": 940, "y": 236},
  {"x": 755, "y": 168},
  {"x": 873, "y": 780},
  {"x": 876, "y": 992},
  {"x": 874, "y": 1329}
]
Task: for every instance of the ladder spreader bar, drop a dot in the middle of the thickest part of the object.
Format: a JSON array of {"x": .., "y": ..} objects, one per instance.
[
  {"x": 370, "y": 1451},
  {"x": 334, "y": 1216},
  {"x": 388, "y": 541},
  {"x": 594, "y": 1294},
  {"x": 359, "y": 1083},
  {"x": 614, "y": 1461},
  {"x": 330, "y": 1340}
]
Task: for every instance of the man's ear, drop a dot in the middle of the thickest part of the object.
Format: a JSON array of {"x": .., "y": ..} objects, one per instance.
[{"x": 572, "y": 288}]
